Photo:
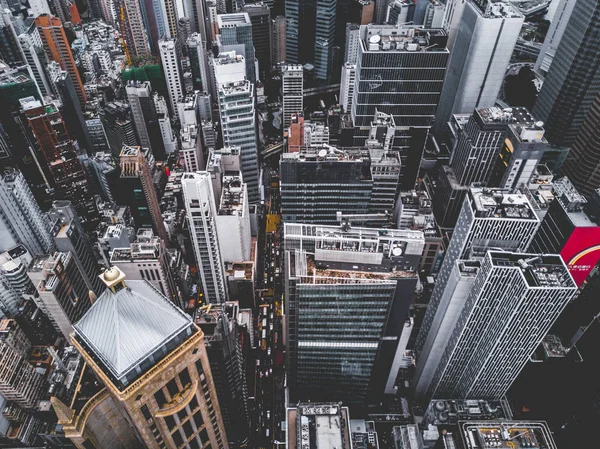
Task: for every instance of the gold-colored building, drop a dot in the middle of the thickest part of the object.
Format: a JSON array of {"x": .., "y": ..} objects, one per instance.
[{"x": 150, "y": 356}]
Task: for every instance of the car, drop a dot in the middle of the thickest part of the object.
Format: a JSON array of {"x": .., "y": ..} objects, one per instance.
[
  {"x": 268, "y": 351},
  {"x": 268, "y": 414}
]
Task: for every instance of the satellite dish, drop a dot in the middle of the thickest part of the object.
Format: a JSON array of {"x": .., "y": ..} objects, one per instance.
[
  {"x": 375, "y": 39},
  {"x": 322, "y": 153},
  {"x": 539, "y": 124},
  {"x": 397, "y": 251}
]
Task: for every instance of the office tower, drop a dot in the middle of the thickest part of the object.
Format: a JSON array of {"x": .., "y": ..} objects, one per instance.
[
  {"x": 10, "y": 299},
  {"x": 389, "y": 59},
  {"x": 22, "y": 221},
  {"x": 69, "y": 236},
  {"x": 116, "y": 118},
  {"x": 347, "y": 86},
  {"x": 571, "y": 85},
  {"x": 195, "y": 10},
  {"x": 434, "y": 14},
  {"x": 71, "y": 111},
  {"x": 167, "y": 134},
  {"x": 238, "y": 125},
  {"x": 136, "y": 178},
  {"x": 326, "y": 422},
  {"x": 63, "y": 294},
  {"x": 495, "y": 147},
  {"x": 13, "y": 266},
  {"x": 169, "y": 56},
  {"x": 227, "y": 356},
  {"x": 293, "y": 96},
  {"x": 138, "y": 96},
  {"x": 359, "y": 12},
  {"x": 191, "y": 147},
  {"x": 129, "y": 17},
  {"x": 582, "y": 165},
  {"x": 58, "y": 153},
  {"x": 489, "y": 219},
  {"x": 260, "y": 17},
  {"x": 235, "y": 30},
  {"x": 58, "y": 49},
  {"x": 400, "y": 12},
  {"x": 226, "y": 68},
  {"x": 478, "y": 64},
  {"x": 315, "y": 134},
  {"x": 352, "y": 43},
  {"x": 559, "y": 22},
  {"x": 201, "y": 214},
  {"x": 97, "y": 135},
  {"x": 529, "y": 291},
  {"x": 184, "y": 30},
  {"x": 352, "y": 355},
  {"x": 198, "y": 63},
  {"x": 36, "y": 59},
  {"x": 567, "y": 229},
  {"x": 324, "y": 52},
  {"x": 163, "y": 382},
  {"x": 278, "y": 46},
  {"x": 155, "y": 23},
  {"x": 19, "y": 381},
  {"x": 147, "y": 258},
  {"x": 10, "y": 51}
]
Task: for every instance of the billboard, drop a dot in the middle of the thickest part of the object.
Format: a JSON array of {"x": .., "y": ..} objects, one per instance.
[{"x": 581, "y": 253}]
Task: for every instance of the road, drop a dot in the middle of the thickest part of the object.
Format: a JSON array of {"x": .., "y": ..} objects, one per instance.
[{"x": 270, "y": 372}]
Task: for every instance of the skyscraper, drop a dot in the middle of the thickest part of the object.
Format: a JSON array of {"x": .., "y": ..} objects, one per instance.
[
  {"x": 201, "y": 211},
  {"x": 119, "y": 128},
  {"x": 136, "y": 94},
  {"x": 572, "y": 83},
  {"x": 528, "y": 291},
  {"x": 63, "y": 170},
  {"x": 392, "y": 62},
  {"x": 22, "y": 220},
  {"x": 278, "y": 50},
  {"x": 20, "y": 382},
  {"x": 260, "y": 17},
  {"x": 490, "y": 218},
  {"x": 34, "y": 56},
  {"x": 199, "y": 63},
  {"x": 238, "y": 125},
  {"x": 9, "y": 44},
  {"x": 347, "y": 86},
  {"x": 292, "y": 88},
  {"x": 129, "y": 17},
  {"x": 567, "y": 229},
  {"x": 58, "y": 49},
  {"x": 163, "y": 382},
  {"x": 481, "y": 53},
  {"x": 559, "y": 22},
  {"x": 368, "y": 278},
  {"x": 169, "y": 55},
  {"x": 234, "y": 30}
]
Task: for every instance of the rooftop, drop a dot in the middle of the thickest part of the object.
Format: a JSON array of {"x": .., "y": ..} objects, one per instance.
[
  {"x": 124, "y": 327},
  {"x": 233, "y": 195},
  {"x": 506, "y": 435},
  {"x": 499, "y": 203},
  {"x": 402, "y": 38},
  {"x": 442, "y": 412},
  {"x": 539, "y": 270},
  {"x": 318, "y": 426}
]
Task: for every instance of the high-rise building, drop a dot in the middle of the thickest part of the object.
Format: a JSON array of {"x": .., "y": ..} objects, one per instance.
[
  {"x": 147, "y": 258},
  {"x": 326, "y": 422},
  {"x": 20, "y": 382},
  {"x": 567, "y": 229},
  {"x": 62, "y": 292},
  {"x": 226, "y": 347},
  {"x": 347, "y": 86},
  {"x": 278, "y": 55},
  {"x": 129, "y": 17},
  {"x": 70, "y": 237},
  {"x": 238, "y": 125},
  {"x": 170, "y": 56},
  {"x": 118, "y": 125},
  {"x": 528, "y": 291},
  {"x": 489, "y": 219},
  {"x": 169, "y": 137},
  {"x": 236, "y": 30},
  {"x": 162, "y": 383},
  {"x": 583, "y": 163},
  {"x": 198, "y": 63},
  {"x": 201, "y": 211},
  {"x": 559, "y": 22},
  {"x": 400, "y": 12},
  {"x": 352, "y": 43},
  {"x": 58, "y": 152},
  {"x": 392, "y": 62},
  {"x": 22, "y": 221},
  {"x": 292, "y": 87},
  {"x": 58, "y": 49},
  {"x": 572, "y": 83},
  {"x": 138, "y": 97},
  {"x": 481, "y": 53},
  {"x": 260, "y": 17},
  {"x": 368, "y": 276},
  {"x": 97, "y": 135},
  {"x": 318, "y": 182},
  {"x": 136, "y": 178},
  {"x": 36, "y": 60},
  {"x": 9, "y": 44},
  {"x": 434, "y": 14}
]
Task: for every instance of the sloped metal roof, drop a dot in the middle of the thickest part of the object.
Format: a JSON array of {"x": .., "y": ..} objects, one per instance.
[{"x": 125, "y": 327}]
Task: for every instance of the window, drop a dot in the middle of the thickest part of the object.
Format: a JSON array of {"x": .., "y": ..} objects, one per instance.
[
  {"x": 177, "y": 438},
  {"x": 188, "y": 429},
  {"x": 203, "y": 436},
  {"x": 198, "y": 419},
  {"x": 184, "y": 377},
  {"x": 170, "y": 422},
  {"x": 160, "y": 398},
  {"x": 194, "y": 444},
  {"x": 194, "y": 403},
  {"x": 172, "y": 387}
]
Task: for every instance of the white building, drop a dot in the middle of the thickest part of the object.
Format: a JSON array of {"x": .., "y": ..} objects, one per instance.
[
  {"x": 347, "y": 86},
  {"x": 201, "y": 214},
  {"x": 292, "y": 86},
  {"x": 554, "y": 35},
  {"x": 164, "y": 122},
  {"x": 137, "y": 93},
  {"x": 233, "y": 220},
  {"x": 170, "y": 62}
]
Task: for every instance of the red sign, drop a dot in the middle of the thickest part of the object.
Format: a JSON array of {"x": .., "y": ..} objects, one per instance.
[{"x": 581, "y": 253}]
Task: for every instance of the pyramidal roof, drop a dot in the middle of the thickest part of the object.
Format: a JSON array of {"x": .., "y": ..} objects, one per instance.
[{"x": 125, "y": 327}]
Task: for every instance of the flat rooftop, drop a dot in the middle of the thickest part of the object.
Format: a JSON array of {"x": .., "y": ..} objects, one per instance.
[
  {"x": 400, "y": 39},
  {"x": 506, "y": 435},
  {"x": 539, "y": 270},
  {"x": 441, "y": 412},
  {"x": 233, "y": 195},
  {"x": 499, "y": 203},
  {"x": 318, "y": 426}
]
